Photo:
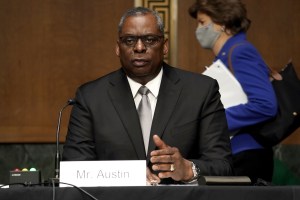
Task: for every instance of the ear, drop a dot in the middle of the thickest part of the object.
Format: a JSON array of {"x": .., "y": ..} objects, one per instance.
[
  {"x": 117, "y": 49},
  {"x": 223, "y": 28},
  {"x": 166, "y": 47}
]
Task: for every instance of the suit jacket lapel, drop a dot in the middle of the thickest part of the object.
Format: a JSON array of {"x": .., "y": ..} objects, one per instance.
[
  {"x": 169, "y": 92},
  {"x": 122, "y": 99}
]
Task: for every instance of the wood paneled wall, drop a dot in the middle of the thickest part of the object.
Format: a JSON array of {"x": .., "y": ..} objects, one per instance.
[{"x": 49, "y": 47}]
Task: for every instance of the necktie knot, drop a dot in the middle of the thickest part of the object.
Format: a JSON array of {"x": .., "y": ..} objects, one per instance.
[{"x": 143, "y": 90}]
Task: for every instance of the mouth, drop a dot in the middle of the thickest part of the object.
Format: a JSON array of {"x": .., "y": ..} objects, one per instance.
[{"x": 139, "y": 62}]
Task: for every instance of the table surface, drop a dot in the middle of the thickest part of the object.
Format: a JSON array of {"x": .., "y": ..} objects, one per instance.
[{"x": 154, "y": 192}]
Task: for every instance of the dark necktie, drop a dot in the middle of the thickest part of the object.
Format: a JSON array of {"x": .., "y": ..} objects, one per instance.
[{"x": 145, "y": 114}]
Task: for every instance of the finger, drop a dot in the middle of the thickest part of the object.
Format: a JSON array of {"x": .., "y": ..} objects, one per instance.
[
  {"x": 169, "y": 151},
  {"x": 152, "y": 179},
  {"x": 159, "y": 142},
  {"x": 164, "y": 158},
  {"x": 164, "y": 167},
  {"x": 166, "y": 174}
]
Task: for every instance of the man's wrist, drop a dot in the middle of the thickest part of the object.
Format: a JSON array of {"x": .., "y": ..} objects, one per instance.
[{"x": 196, "y": 173}]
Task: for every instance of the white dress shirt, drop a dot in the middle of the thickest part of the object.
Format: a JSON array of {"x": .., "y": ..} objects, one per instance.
[{"x": 152, "y": 85}]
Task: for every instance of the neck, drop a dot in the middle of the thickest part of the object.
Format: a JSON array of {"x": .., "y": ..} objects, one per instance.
[{"x": 220, "y": 42}]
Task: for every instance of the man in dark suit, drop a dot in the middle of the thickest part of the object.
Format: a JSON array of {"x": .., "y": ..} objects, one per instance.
[{"x": 188, "y": 134}]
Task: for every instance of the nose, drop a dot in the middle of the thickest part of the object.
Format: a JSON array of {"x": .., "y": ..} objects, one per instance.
[{"x": 139, "y": 46}]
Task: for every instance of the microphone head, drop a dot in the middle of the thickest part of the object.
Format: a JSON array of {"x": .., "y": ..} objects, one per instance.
[{"x": 71, "y": 101}]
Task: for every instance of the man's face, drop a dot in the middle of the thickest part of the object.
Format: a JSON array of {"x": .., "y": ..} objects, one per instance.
[{"x": 141, "y": 48}]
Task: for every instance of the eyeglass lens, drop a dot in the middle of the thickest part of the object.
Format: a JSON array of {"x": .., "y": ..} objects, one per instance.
[{"x": 147, "y": 40}]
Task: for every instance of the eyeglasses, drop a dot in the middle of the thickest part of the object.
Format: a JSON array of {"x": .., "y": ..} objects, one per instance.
[{"x": 147, "y": 40}]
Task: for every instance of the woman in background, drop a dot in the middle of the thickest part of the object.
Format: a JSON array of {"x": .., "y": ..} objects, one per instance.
[{"x": 222, "y": 27}]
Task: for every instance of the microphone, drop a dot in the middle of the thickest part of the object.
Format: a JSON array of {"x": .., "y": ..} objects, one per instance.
[{"x": 57, "y": 154}]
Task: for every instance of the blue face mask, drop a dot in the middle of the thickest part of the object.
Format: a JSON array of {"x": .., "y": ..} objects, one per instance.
[{"x": 207, "y": 36}]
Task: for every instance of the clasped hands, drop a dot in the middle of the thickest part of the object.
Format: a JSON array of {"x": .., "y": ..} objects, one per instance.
[{"x": 169, "y": 163}]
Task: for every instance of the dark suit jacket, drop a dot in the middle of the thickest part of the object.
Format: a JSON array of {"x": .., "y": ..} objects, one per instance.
[{"x": 104, "y": 123}]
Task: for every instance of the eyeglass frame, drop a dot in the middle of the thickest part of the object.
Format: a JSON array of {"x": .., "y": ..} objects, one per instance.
[{"x": 142, "y": 38}]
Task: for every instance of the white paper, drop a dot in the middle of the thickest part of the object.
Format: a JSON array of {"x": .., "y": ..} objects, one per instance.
[
  {"x": 230, "y": 89},
  {"x": 103, "y": 173}
]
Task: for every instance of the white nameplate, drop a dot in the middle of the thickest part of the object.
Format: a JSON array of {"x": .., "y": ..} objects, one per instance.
[{"x": 103, "y": 173}]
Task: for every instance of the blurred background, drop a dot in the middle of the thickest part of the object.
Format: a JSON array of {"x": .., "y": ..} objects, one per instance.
[{"x": 50, "y": 47}]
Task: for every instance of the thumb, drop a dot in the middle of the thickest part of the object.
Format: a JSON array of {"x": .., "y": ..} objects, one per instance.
[{"x": 159, "y": 142}]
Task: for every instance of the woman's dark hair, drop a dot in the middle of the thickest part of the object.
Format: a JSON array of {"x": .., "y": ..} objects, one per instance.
[{"x": 230, "y": 13}]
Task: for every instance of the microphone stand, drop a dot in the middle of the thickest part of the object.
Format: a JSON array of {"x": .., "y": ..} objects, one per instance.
[{"x": 57, "y": 154}]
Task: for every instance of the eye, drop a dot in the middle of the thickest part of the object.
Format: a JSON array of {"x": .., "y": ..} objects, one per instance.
[
  {"x": 201, "y": 23},
  {"x": 129, "y": 40},
  {"x": 150, "y": 39}
]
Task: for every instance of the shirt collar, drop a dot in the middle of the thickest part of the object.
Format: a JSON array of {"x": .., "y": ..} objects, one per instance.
[{"x": 152, "y": 85}]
